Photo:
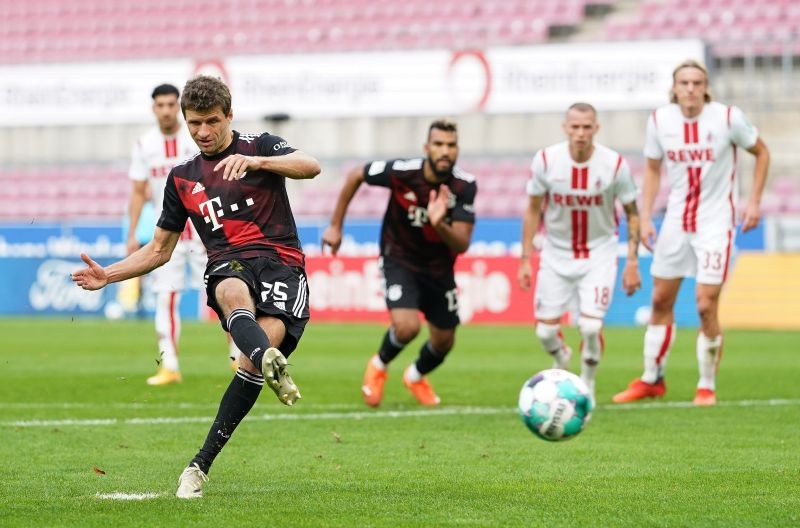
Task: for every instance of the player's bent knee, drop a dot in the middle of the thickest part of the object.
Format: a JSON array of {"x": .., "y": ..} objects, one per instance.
[
  {"x": 407, "y": 331},
  {"x": 443, "y": 345},
  {"x": 547, "y": 331},
  {"x": 589, "y": 326}
]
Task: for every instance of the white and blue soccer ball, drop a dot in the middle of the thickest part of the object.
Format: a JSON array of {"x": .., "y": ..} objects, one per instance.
[{"x": 555, "y": 405}]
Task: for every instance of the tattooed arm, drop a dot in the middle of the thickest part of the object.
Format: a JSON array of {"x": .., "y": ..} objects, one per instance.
[{"x": 631, "y": 279}]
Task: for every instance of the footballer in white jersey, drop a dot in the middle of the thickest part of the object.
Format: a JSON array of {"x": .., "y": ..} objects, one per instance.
[
  {"x": 153, "y": 156},
  {"x": 697, "y": 140},
  {"x": 576, "y": 185}
]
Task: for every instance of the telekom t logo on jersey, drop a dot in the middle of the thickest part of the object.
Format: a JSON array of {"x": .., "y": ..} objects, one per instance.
[{"x": 212, "y": 215}]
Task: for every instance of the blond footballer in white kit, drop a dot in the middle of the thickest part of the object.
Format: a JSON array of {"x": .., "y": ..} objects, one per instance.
[
  {"x": 698, "y": 141},
  {"x": 577, "y": 183},
  {"x": 152, "y": 157}
]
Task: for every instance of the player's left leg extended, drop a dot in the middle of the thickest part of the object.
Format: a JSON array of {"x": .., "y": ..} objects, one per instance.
[{"x": 709, "y": 342}]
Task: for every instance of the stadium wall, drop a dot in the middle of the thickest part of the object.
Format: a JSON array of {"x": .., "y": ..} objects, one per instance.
[{"x": 41, "y": 258}]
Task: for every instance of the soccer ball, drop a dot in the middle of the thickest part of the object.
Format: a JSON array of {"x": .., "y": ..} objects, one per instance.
[{"x": 555, "y": 405}]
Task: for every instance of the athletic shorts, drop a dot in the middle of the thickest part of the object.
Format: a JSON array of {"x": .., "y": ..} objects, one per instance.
[
  {"x": 189, "y": 257},
  {"x": 592, "y": 279},
  {"x": 435, "y": 297},
  {"x": 278, "y": 290},
  {"x": 705, "y": 255}
]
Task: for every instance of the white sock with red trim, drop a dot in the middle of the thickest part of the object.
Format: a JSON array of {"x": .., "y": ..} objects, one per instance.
[
  {"x": 709, "y": 351},
  {"x": 658, "y": 341},
  {"x": 168, "y": 328}
]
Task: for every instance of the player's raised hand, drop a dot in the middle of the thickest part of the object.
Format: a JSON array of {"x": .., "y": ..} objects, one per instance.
[
  {"x": 332, "y": 237},
  {"x": 236, "y": 165},
  {"x": 437, "y": 205},
  {"x": 751, "y": 217},
  {"x": 648, "y": 234},
  {"x": 92, "y": 277},
  {"x": 524, "y": 274}
]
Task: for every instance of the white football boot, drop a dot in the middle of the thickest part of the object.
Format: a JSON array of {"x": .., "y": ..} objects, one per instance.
[
  {"x": 273, "y": 367},
  {"x": 190, "y": 483}
]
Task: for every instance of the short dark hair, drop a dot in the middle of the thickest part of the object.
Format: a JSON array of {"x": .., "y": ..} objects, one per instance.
[
  {"x": 583, "y": 107},
  {"x": 203, "y": 93},
  {"x": 165, "y": 89},
  {"x": 446, "y": 125}
]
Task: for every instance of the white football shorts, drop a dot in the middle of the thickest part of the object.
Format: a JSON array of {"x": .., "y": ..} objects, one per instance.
[
  {"x": 592, "y": 279},
  {"x": 189, "y": 256},
  {"x": 705, "y": 255}
]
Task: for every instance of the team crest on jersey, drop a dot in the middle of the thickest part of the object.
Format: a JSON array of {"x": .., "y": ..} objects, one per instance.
[
  {"x": 394, "y": 292},
  {"x": 451, "y": 201},
  {"x": 410, "y": 196}
]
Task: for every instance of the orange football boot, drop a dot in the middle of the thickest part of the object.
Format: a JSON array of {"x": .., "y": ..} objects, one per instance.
[
  {"x": 705, "y": 398},
  {"x": 164, "y": 376},
  {"x": 374, "y": 378},
  {"x": 639, "y": 390},
  {"x": 422, "y": 391}
]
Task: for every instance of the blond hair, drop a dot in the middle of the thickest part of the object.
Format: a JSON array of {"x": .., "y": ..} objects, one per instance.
[{"x": 689, "y": 63}]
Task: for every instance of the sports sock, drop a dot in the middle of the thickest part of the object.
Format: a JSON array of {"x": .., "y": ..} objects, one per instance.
[
  {"x": 237, "y": 401},
  {"x": 552, "y": 341},
  {"x": 709, "y": 352},
  {"x": 233, "y": 350},
  {"x": 428, "y": 359},
  {"x": 390, "y": 347},
  {"x": 247, "y": 335},
  {"x": 168, "y": 328},
  {"x": 591, "y": 349},
  {"x": 658, "y": 341}
]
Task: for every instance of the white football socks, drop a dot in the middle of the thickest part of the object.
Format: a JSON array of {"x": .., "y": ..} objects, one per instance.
[
  {"x": 709, "y": 351},
  {"x": 168, "y": 328},
  {"x": 412, "y": 374},
  {"x": 376, "y": 361},
  {"x": 658, "y": 341},
  {"x": 591, "y": 349}
]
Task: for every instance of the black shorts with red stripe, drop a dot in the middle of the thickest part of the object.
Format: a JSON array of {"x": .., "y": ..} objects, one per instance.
[{"x": 278, "y": 291}]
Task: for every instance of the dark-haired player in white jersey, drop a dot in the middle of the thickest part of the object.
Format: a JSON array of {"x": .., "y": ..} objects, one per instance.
[
  {"x": 234, "y": 193},
  {"x": 698, "y": 140},
  {"x": 428, "y": 222},
  {"x": 576, "y": 183},
  {"x": 153, "y": 155}
]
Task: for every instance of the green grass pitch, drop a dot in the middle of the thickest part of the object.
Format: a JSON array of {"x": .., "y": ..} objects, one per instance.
[{"x": 73, "y": 400}]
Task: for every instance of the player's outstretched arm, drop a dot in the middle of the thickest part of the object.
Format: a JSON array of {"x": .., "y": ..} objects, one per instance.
[
  {"x": 652, "y": 180},
  {"x": 752, "y": 213},
  {"x": 135, "y": 206},
  {"x": 150, "y": 256},
  {"x": 332, "y": 236},
  {"x": 530, "y": 224},
  {"x": 297, "y": 165}
]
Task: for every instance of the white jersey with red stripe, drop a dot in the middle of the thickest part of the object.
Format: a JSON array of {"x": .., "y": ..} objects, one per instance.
[
  {"x": 154, "y": 155},
  {"x": 700, "y": 156},
  {"x": 580, "y": 216}
]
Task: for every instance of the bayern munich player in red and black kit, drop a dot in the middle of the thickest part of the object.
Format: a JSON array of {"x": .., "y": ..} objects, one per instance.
[
  {"x": 234, "y": 193},
  {"x": 428, "y": 222}
]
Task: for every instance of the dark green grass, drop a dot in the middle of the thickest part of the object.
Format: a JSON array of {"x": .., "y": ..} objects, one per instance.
[{"x": 732, "y": 465}]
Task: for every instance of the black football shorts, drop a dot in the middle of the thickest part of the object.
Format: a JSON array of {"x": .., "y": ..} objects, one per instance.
[
  {"x": 278, "y": 290},
  {"x": 436, "y": 297}
]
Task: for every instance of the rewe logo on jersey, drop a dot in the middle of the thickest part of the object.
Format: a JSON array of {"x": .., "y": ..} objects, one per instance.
[
  {"x": 577, "y": 200},
  {"x": 684, "y": 155}
]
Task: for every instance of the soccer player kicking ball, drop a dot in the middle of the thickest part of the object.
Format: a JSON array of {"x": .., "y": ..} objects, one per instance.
[
  {"x": 579, "y": 180},
  {"x": 698, "y": 139},
  {"x": 428, "y": 222},
  {"x": 234, "y": 193}
]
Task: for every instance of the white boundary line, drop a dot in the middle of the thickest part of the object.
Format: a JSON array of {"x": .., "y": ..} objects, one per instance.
[
  {"x": 361, "y": 415},
  {"x": 118, "y": 495}
]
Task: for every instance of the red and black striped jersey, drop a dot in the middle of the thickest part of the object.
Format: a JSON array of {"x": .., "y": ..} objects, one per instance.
[
  {"x": 245, "y": 218},
  {"x": 406, "y": 234}
]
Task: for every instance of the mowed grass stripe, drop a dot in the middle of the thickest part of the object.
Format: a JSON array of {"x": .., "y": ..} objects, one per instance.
[{"x": 361, "y": 415}]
